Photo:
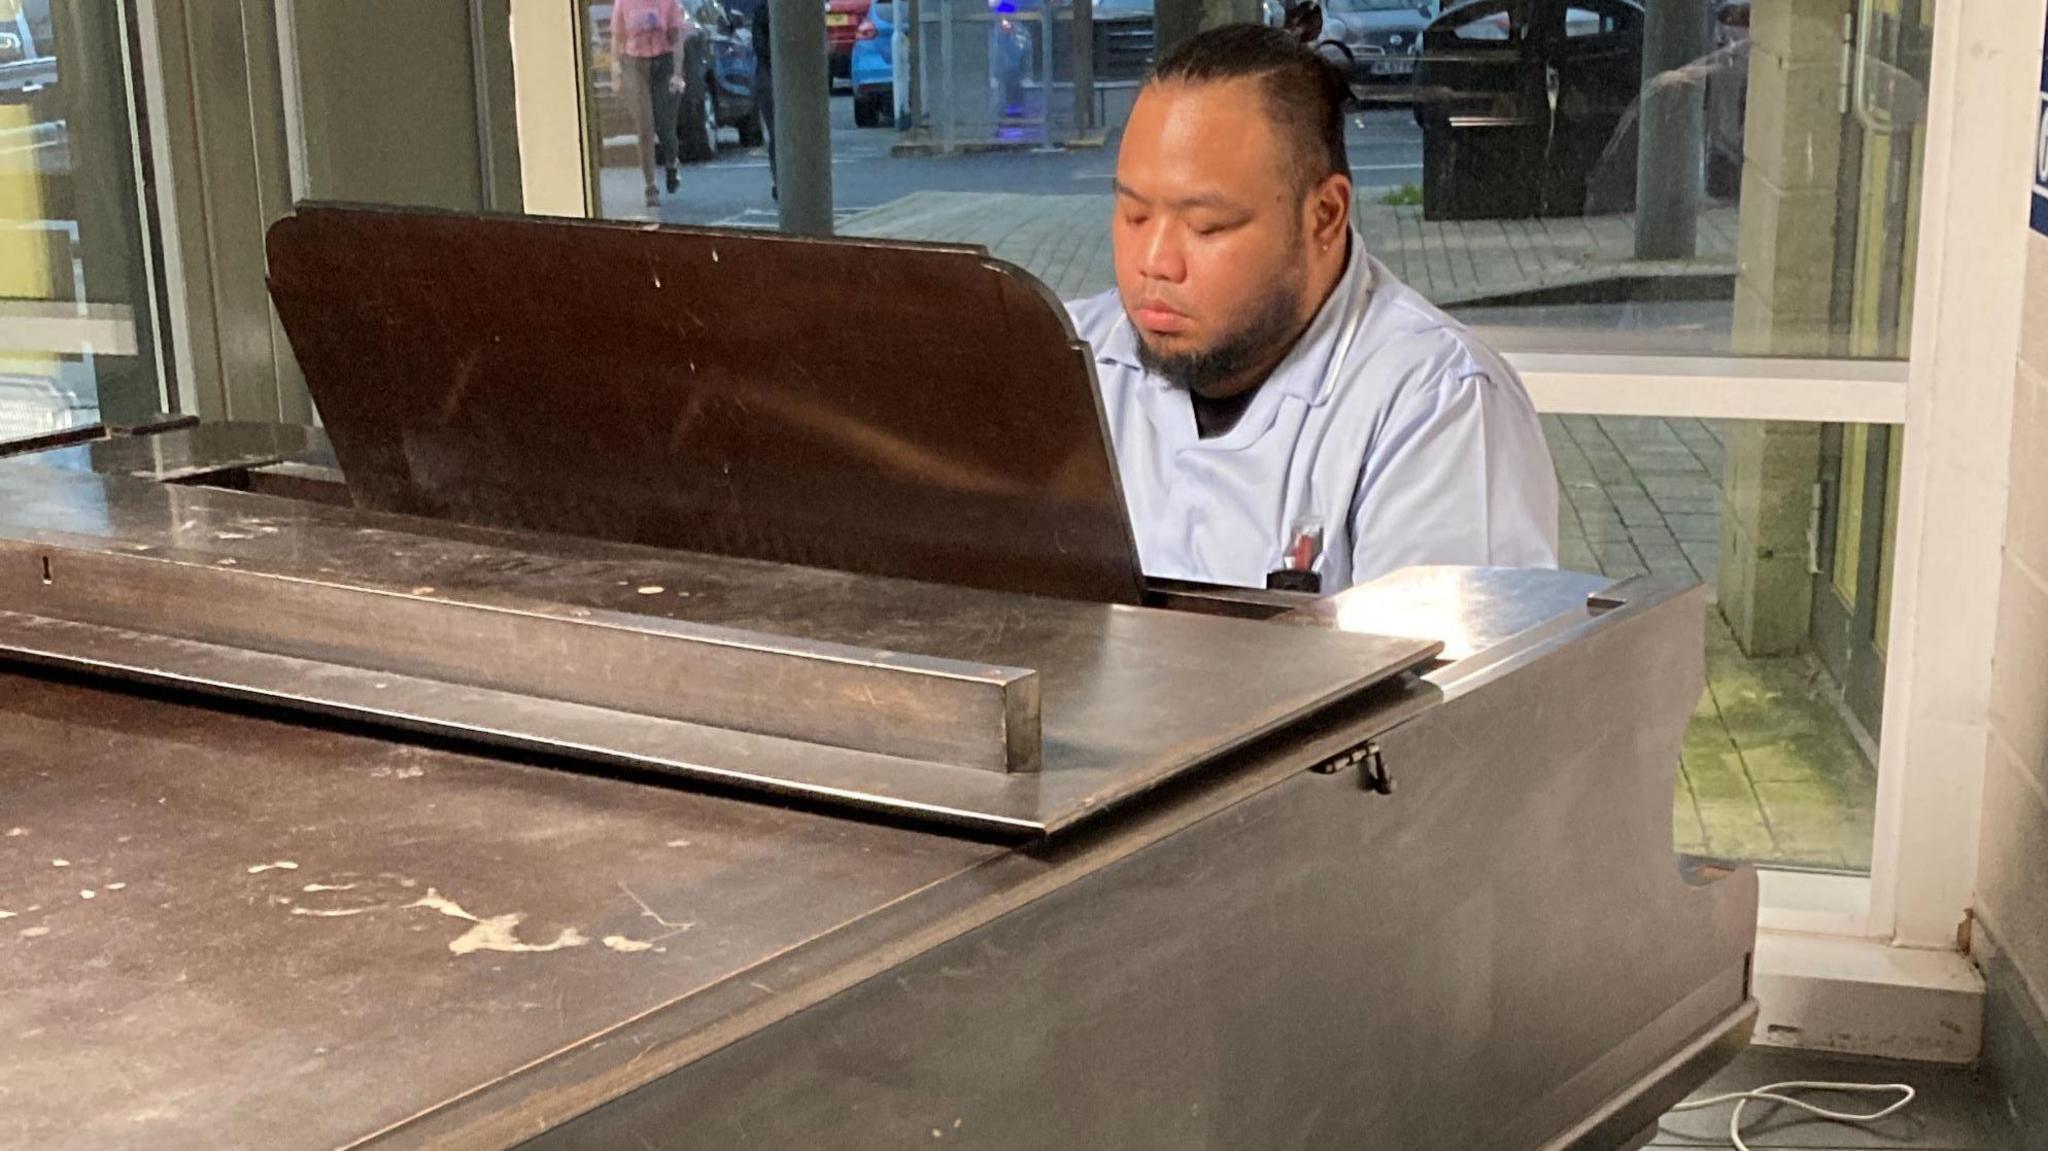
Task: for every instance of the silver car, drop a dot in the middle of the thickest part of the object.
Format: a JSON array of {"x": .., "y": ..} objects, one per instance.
[{"x": 1376, "y": 43}]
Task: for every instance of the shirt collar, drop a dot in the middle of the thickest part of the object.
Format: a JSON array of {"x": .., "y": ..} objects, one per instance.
[{"x": 1302, "y": 371}]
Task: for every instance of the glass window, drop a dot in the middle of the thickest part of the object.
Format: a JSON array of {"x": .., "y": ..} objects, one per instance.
[
  {"x": 1539, "y": 190},
  {"x": 1586, "y": 22},
  {"x": 1494, "y": 26},
  {"x": 1564, "y": 192},
  {"x": 1779, "y": 762},
  {"x": 76, "y": 334}
]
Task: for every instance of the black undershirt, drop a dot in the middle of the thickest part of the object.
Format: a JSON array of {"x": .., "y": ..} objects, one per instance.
[{"x": 1215, "y": 417}]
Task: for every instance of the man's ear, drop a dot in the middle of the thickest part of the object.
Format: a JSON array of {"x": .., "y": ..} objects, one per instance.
[{"x": 1330, "y": 209}]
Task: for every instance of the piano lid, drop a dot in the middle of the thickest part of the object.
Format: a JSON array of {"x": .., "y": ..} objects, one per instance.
[{"x": 887, "y": 408}]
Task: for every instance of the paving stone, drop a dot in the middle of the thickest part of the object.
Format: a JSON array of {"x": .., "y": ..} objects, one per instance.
[
  {"x": 1649, "y": 536},
  {"x": 1639, "y": 514},
  {"x": 1808, "y": 822},
  {"x": 1694, "y": 528},
  {"x": 1675, "y": 460},
  {"x": 1574, "y": 555}
]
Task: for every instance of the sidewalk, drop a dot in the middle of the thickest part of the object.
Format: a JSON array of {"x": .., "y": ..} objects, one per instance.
[
  {"x": 1064, "y": 240},
  {"x": 1769, "y": 770}
]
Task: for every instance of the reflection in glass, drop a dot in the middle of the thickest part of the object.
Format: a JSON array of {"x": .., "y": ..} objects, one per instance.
[
  {"x": 1779, "y": 762},
  {"x": 1499, "y": 149},
  {"x": 75, "y": 329}
]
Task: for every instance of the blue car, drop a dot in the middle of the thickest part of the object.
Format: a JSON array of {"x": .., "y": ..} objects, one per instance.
[{"x": 874, "y": 68}]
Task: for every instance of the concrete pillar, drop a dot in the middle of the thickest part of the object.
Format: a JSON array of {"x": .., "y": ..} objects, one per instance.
[
  {"x": 1784, "y": 292},
  {"x": 1084, "y": 66},
  {"x": 1668, "y": 155},
  {"x": 803, "y": 126},
  {"x": 1765, "y": 580}
]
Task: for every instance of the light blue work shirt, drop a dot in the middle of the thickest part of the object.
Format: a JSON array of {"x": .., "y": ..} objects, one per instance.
[{"x": 1388, "y": 437}]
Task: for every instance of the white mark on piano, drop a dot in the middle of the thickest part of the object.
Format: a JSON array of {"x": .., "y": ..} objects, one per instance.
[
  {"x": 497, "y": 933},
  {"x": 280, "y": 865}
]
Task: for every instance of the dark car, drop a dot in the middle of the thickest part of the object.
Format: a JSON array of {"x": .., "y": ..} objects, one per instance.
[
  {"x": 718, "y": 81},
  {"x": 1530, "y": 107}
]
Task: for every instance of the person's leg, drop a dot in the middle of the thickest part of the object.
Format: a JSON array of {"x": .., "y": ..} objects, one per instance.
[
  {"x": 633, "y": 74},
  {"x": 764, "y": 97},
  {"x": 667, "y": 151}
]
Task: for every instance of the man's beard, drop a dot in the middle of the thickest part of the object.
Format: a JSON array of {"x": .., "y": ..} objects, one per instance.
[{"x": 1260, "y": 339}]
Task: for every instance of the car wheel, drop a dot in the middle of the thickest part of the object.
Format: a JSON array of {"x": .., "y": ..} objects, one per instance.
[
  {"x": 752, "y": 132},
  {"x": 867, "y": 110},
  {"x": 697, "y": 124}
]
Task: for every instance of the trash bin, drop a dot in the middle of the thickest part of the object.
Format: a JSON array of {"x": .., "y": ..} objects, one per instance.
[{"x": 1519, "y": 100}]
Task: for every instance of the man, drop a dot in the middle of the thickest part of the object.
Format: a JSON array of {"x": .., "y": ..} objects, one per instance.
[{"x": 1284, "y": 412}]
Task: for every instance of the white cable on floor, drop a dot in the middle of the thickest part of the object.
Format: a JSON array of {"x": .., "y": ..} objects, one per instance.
[{"x": 1774, "y": 1093}]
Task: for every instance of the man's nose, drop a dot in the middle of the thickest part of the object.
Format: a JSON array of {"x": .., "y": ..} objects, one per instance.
[{"x": 1161, "y": 256}]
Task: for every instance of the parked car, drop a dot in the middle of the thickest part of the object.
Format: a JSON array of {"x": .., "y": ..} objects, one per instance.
[
  {"x": 874, "y": 66},
  {"x": 718, "y": 79},
  {"x": 843, "y": 19},
  {"x": 1530, "y": 107},
  {"x": 718, "y": 82},
  {"x": 1377, "y": 44}
]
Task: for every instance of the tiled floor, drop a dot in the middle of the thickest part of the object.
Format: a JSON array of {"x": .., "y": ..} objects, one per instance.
[{"x": 1955, "y": 1110}]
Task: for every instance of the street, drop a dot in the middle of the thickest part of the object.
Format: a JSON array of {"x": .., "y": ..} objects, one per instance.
[{"x": 1385, "y": 150}]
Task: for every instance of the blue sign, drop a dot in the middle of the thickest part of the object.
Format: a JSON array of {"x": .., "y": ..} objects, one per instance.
[{"x": 2040, "y": 213}]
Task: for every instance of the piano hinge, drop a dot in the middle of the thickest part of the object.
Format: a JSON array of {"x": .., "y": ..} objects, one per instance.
[{"x": 1371, "y": 765}]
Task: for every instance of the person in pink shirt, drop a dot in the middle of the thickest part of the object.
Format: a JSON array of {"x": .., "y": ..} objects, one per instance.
[{"x": 647, "y": 73}]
